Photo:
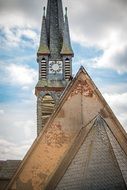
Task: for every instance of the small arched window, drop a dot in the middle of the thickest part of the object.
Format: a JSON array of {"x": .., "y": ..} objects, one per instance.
[
  {"x": 67, "y": 60},
  {"x": 43, "y": 68}
]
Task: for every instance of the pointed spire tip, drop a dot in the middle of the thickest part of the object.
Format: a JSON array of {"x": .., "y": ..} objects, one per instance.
[
  {"x": 66, "y": 11},
  {"x": 44, "y": 11}
]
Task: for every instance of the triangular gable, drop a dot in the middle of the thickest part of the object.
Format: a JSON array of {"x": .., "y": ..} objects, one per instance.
[
  {"x": 80, "y": 104},
  {"x": 95, "y": 165}
]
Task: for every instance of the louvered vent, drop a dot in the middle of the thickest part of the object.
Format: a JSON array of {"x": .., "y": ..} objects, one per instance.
[
  {"x": 47, "y": 108},
  {"x": 43, "y": 69},
  {"x": 67, "y": 69}
]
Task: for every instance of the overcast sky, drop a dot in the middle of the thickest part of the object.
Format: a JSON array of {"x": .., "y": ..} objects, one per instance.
[{"x": 98, "y": 32}]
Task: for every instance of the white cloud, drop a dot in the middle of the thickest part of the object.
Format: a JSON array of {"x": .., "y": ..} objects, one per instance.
[
  {"x": 93, "y": 23},
  {"x": 18, "y": 37},
  {"x": 114, "y": 57},
  {"x": 97, "y": 22},
  {"x": 17, "y": 129},
  {"x": 1, "y": 112},
  {"x": 20, "y": 74},
  {"x": 15, "y": 74},
  {"x": 117, "y": 88},
  {"x": 118, "y": 101},
  {"x": 17, "y": 20},
  {"x": 25, "y": 88},
  {"x": 8, "y": 21},
  {"x": 12, "y": 150},
  {"x": 101, "y": 24},
  {"x": 15, "y": 15},
  {"x": 27, "y": 127},
  {"x": 10, "y": 37},
  {"x": 30, "y": 34},
  {"x": 119, "y": 106}
]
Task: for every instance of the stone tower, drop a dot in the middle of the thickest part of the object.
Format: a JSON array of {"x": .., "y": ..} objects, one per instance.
[{"x": 54, "y": 57}]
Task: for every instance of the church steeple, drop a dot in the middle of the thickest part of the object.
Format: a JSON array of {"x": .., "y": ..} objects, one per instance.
[
  {"x": 55, "y": 60},
  {"x": 55, "y": 24},
  {"x": 55, "y": 37}
]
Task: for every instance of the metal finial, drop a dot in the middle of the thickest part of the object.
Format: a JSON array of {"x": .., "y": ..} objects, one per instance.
[
  {"x": 43, "y": 11},
  {"x": 66, "y": 11}
]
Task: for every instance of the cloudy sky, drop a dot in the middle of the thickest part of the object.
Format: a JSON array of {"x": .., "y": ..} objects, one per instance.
[{"x": 98, "y": 32}]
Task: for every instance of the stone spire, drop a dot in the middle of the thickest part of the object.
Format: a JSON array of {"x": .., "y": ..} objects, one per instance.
[
  {"x": 61, "y": 18},
  {"x": 43, "y": 48},
  {"x": 55, "y": 23},
  {"x": 66, "y": 48}
]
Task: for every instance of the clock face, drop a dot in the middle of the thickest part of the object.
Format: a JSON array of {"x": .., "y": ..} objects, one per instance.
[{"x": 55, "y": 67}]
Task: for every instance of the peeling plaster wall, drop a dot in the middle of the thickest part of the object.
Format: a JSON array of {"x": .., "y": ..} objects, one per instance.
[
  {"x": 82, "y": 104},
  {"x": 55, "y": 141}
]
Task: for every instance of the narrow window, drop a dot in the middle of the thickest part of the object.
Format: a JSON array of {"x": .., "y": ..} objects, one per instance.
[
  {"x": 43, "y": 68},
  {"x": 67, "y": 69}
]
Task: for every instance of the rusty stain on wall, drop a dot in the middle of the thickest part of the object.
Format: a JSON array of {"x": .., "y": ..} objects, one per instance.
[
  {"x": 56, "y": 136},
  {"x": 82, "y": 87},
  {"x": 104, "y": 113},
  {"x": 61, "y": 114},
  {"x": 45, "y": 158}
]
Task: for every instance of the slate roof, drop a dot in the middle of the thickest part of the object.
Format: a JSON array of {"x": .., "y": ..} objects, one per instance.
[
  {"x": 8, "y": 168},
  {"x": 55, "y": 22},
  {"x": 55, "y": 37},
  {"x": 96, "y": 165}
]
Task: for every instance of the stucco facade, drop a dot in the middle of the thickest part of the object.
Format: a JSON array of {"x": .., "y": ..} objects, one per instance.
[{"x": 53, "y": 151}]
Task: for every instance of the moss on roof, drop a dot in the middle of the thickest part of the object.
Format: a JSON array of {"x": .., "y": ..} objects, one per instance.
[
  {"x": 66, "y": 50},
  {"x": 43, "y": 49}
]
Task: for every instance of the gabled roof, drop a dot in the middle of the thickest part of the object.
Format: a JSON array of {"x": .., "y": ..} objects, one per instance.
[
  {"x": 72, "y": 120},
  {"x": 8, "y": 168},
  {"x": 92, "y": 162}
]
